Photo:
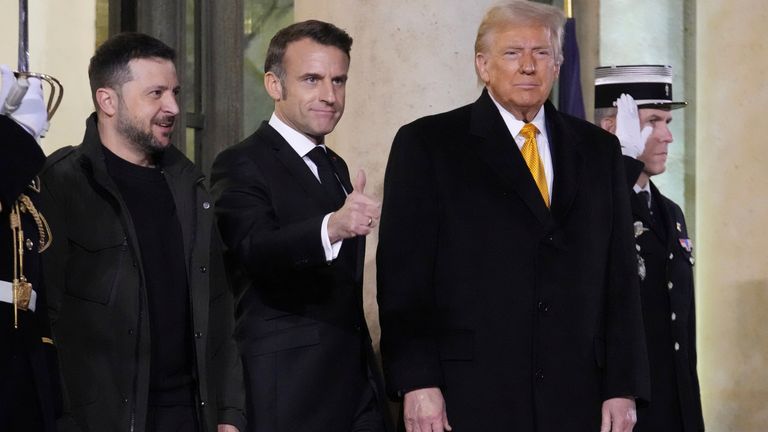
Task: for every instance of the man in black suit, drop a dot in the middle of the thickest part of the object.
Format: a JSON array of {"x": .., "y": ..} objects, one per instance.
[
  {"x": 28, "y": 367},
  {"x": 635, "y": 103},
  {"x": 507, "y": 293},
  {"x": 294, "y": 228}
]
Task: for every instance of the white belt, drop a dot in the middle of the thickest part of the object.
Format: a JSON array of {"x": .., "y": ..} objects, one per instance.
[{"x": 6, "y": 295}]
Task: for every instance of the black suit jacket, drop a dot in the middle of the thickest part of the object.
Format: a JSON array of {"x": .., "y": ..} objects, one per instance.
[
  {"x": 669, "y": 312},
  {"x": 20, "y": 160},
  {"x": 300, "y": 322},
  {"x": 524, "y": 316}
]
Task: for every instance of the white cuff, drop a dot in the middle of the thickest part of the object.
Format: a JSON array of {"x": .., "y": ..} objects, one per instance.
[{"x": 331, "y": 250}]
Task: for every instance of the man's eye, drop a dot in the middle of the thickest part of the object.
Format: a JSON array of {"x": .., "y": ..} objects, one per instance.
[{"x": 311, "y": 79}]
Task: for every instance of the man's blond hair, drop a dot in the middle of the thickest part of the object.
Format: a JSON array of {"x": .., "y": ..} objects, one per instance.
[{"x": 522, "y": 13}]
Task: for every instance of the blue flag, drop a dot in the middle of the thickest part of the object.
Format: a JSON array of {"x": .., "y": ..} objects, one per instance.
[{"x": 570, "y": 99}]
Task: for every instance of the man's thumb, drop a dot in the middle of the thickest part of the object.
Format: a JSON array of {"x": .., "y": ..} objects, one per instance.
[{"x": 360, "y": 181}]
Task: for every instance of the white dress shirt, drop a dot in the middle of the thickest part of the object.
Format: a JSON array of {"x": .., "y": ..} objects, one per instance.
[
  {"x": 542, "y": 142},
  {"x": 303, "y": 145}
]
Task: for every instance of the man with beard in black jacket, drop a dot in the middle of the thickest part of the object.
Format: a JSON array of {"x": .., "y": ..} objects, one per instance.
[{"x": 138, "y": 299}]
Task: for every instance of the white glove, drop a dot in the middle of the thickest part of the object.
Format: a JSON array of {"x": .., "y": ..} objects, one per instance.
[
  {"x": 631, "y": 137},
  {"x": 8, "y": 80},
  {"x": 32, "y": 112}
]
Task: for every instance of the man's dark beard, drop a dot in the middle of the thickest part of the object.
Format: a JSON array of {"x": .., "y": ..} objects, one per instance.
[{"x": 145, "y": 141}]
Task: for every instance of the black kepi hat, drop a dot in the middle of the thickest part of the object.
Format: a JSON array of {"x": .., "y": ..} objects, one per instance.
[{"x": 649, "y": 85}]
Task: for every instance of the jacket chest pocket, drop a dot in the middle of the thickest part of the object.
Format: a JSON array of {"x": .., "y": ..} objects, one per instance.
[{"x": 97, "y": 257}]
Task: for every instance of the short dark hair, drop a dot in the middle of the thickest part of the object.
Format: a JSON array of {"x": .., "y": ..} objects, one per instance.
[
  {"x": 109, "y": 65},
  {"x": 318, "y": 31}
]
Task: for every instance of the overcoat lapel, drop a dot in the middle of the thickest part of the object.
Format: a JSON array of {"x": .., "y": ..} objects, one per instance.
[
  {"x": 567, "y": 162},
  {"x": 296, "y": 166},
  {"x": 496, "y": 147}
]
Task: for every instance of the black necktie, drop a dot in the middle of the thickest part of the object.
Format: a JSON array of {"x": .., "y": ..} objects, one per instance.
[
  {"x": 645, "y": 196},
  {"x": 327, "y": 175}
]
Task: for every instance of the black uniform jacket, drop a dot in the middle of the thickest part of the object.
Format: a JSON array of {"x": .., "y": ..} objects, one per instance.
[
  {"x": 20, "y": 160},
  {"x": 98, "y": 304},
  {"x": 527, "y": 318},
  {"x": 665, "y": 255},
  {"x": 300, "y": 323}
]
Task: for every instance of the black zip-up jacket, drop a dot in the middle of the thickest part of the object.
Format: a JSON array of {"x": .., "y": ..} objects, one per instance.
[{"x": 98, "y": 302}]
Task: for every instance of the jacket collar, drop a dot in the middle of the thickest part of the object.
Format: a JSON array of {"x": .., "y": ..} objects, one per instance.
[
  {"x": 496, "y": 147},
  {"x": 298, "y": 168},
  {"x": 173, "y": 161}
]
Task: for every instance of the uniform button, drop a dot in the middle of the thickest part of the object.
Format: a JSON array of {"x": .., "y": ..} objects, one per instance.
[
  {"x": 677, "y": 346},
  {"x": 674, "y": 316},
  {"x": 131, "y": 332},
  {"x": 29, "y": 244},
  {"x": 134, "y": 263},
  {"x": 125, "y": 400},
  {"x": 198, "y": 334},
  {"x": 540, "y": 375},
  {"x": 203, "y": 403},
  {"x": 543, "y": 307},
  {"x": 357, "y": 327},
  {"x": 692, "y": 260},
  {"x": 671, "y": 255},
  {"x": 203, "y": 269},
  {"x": 206, "y": 205},
  {"x": 637, "y": 246},
  {"x": 670, "y": 285}
]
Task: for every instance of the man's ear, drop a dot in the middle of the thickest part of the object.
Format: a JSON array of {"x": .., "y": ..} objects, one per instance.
[
  {"x": 609, "y": 124},
  {"x": 273, "y": 86},
  {"x": 107, "y": 100},
  {"x": 481, "y": 66}
]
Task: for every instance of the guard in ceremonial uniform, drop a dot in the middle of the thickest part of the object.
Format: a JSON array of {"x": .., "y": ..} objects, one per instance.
[
  {"x": 28, "y": 372},
  {"x": 635, "y": 103}
]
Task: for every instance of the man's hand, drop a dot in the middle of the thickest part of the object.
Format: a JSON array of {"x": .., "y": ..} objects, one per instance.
[
  {"x": 424, "y": 411},
  {"x": 628, "y": 131},
  {"x": 226, "y": 428},
  {"x": 358, "y": 216},
  {"x": 31, "y": 112},
  {"x": 619, "y": 415}
]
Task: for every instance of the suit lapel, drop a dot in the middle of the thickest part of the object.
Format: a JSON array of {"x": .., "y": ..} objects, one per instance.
[
  {"x": 296, "y": 166},
  {"x": 496, "y": 147},
  {"x": 567, "y": 162},
  {"x": 665, "y": 225},
  {"x": 341, "y": 170}
]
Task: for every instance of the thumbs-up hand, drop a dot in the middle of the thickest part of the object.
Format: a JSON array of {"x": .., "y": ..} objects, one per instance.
[{"x": 358, "y": 216}]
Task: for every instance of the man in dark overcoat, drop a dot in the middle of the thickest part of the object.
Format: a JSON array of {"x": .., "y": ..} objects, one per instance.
[{"x": 506, "y": 267}]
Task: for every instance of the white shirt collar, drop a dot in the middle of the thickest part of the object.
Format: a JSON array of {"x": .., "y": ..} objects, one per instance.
[
  {"x": 515, "y": 126},
  {"x": 647, "y": 188},
  {"x": 300, "y": 143}
]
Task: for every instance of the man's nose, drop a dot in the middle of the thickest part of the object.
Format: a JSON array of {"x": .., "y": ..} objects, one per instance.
[
  {"x": 170, "y": 105},
  {"x": 527, "y": 64},
  {"x": 328, "y": 92}
]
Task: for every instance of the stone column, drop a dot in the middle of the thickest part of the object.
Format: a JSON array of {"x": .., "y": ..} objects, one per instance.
[{"x": 732, "y": 209}]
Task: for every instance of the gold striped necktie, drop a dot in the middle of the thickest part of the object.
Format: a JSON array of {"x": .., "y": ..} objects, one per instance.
[{"x": 530, "y": 152}]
